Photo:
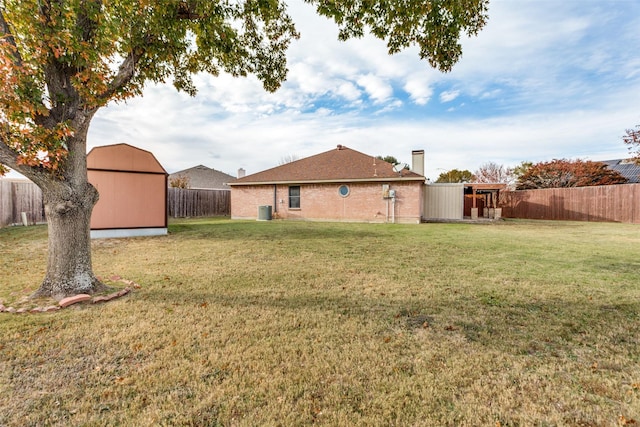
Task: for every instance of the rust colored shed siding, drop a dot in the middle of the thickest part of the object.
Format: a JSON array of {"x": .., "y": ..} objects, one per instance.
[
  {"x": 322, "y": 202},
  {"x": 129, "y": 200},
  {"x": 123, "y": 157}
]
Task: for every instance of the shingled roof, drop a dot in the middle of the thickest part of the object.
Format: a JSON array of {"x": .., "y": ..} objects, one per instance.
[
  {"x": 202, "y": 177},
  {"x": 341, "y": 164},
  {"x": 626, "y": 167}
]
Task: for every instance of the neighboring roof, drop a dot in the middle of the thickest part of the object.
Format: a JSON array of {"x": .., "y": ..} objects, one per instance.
[
  {"x": 341, "y": 164},
  {"x": 626, "y": 167},
  {"x": 123, "y": 158},
  {"x": 205, "y": 178}
]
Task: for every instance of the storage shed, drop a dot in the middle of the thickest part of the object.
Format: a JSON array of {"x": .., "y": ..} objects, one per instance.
[{"x": 133, "y": 192}]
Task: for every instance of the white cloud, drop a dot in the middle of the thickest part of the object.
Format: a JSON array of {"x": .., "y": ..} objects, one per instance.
[
  {"x": 377, "y": 88},
  {"x": 348, "y": 91},
  {"x": 449, "y": 95},
  {"x": 419, "y": 89}
]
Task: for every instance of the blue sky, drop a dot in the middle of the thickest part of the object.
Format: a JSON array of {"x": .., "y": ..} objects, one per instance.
[{"x": 545, "y": 79}]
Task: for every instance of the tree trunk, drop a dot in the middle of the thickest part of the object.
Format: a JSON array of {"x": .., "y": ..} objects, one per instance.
[
  {"x": 68, "y": 203},
  {"x": 69, "y": 269}
]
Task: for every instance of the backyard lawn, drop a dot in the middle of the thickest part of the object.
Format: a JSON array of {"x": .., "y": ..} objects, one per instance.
[{"x": 246, "y": 323}]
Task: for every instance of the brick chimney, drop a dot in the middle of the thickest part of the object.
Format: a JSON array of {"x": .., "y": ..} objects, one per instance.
[
  {"x": 241, "y": 173},
  {"x": 417, "y": 162}
]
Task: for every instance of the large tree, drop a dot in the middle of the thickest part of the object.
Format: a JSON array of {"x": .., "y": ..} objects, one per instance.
[
  {"x": 568, "y": 173},
  {"x": 632, "y": 138},
  {"x": 62, "y": 60},
  {"x": 521, "y": 169},
  {"x": 455, "y": 175},
  {"x": 492, "y": 172}
]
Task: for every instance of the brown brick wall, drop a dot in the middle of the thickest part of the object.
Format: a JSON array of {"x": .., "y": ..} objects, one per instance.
[{"x": 322, "y": 202}]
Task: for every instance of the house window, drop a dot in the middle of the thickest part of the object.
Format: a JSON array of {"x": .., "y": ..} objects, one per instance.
[
  {"x": 343, "y": 190},
  {"x": 294, "y": 197}
]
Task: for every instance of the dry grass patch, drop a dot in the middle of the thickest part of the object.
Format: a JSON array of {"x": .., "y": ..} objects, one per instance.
[{"x": 284, "y": 323}]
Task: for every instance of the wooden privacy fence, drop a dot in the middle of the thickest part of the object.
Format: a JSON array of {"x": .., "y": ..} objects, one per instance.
[
  {"x": 614, "y": 203},
  {"x": 17, "y": 197},
  {"x": 187, "y": 203}
]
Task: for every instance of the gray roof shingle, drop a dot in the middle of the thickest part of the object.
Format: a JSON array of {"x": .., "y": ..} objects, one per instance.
[
  {"x": 202, "y": 177},
  {"x": 626, "y": 167},
  {"x": 341, "y": 164}
]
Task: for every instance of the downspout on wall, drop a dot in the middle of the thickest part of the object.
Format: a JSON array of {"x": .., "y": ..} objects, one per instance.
[
  {"x": 417, "y": 166},
  {"x": 275, "y": 198}
]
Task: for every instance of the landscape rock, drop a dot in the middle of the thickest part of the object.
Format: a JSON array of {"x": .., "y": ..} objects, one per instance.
[
  {"x": 114, "y": 295},
  {"x": 102, "y": 298},
  {"x": 66, "y": 302}
]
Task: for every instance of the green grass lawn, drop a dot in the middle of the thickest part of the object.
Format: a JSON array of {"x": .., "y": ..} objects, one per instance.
[{"x": 245, "y": 323}]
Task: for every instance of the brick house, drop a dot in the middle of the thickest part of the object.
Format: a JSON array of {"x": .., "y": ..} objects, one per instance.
[{"x": 338, "y": 185}]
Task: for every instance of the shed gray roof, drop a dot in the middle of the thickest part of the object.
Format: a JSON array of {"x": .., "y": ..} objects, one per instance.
[
  {"x": 202, "y": 177},
  {"x": 626, "y": 167}
]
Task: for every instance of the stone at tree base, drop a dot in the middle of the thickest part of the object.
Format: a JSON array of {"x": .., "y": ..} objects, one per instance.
[
  {"x": 66, "y": 302},
  {"x": 123, "y": 292},
  {"x": 102, "y": 298},
  {"x": 114, "y": 295}
]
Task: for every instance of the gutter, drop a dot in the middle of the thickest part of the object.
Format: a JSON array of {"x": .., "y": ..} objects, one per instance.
[{"x": 329, "y": 181}]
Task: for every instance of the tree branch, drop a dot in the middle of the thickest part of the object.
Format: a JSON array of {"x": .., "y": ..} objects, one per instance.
[
  {"x": 7, "y": 156},
  {"x": 5, "y": 32},
  {"x": 126, "y": 72},
  {"x": 85, "y": 22},
  {"x": 186, "y": 10}
]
